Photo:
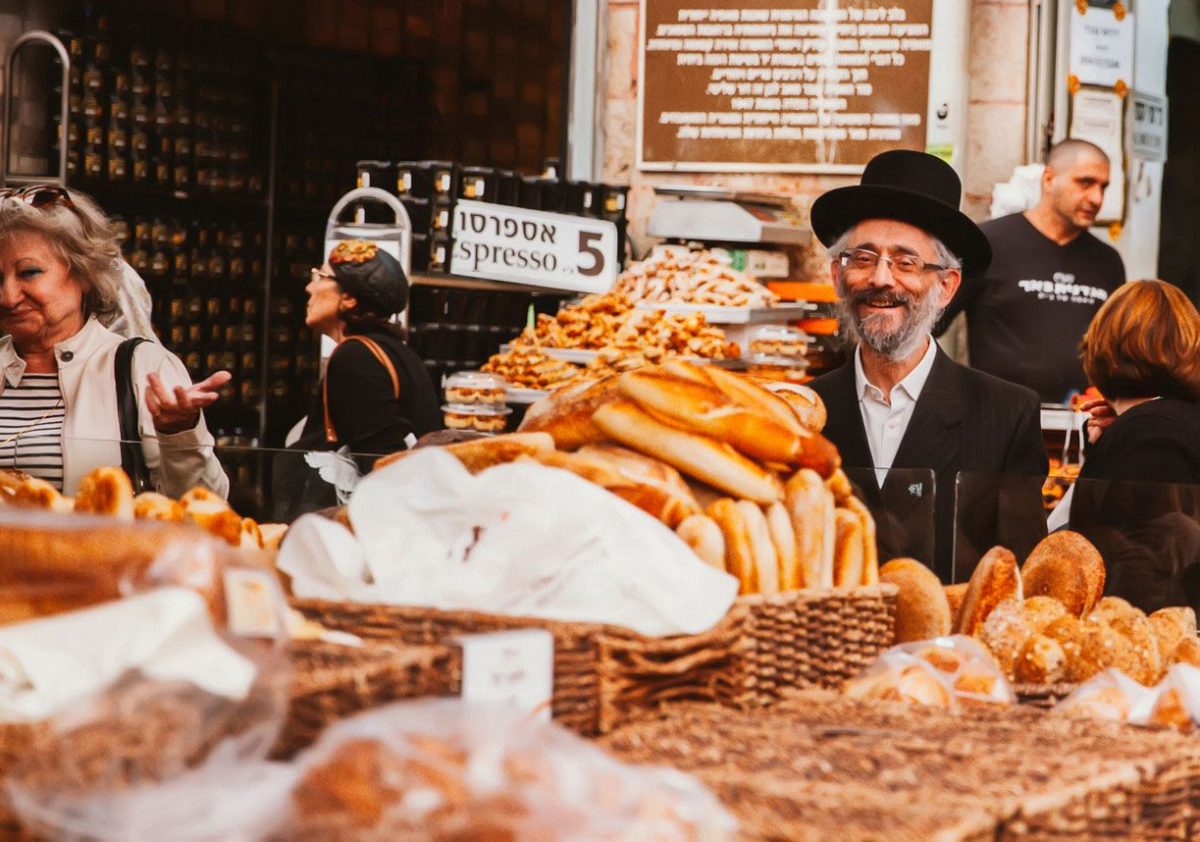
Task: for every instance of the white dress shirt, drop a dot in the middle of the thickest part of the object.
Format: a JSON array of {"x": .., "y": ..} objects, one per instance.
[{"x": 884, "y": 420}]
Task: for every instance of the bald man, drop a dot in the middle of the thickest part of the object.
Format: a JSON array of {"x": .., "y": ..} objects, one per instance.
[{"x": 1049, "y": 275}]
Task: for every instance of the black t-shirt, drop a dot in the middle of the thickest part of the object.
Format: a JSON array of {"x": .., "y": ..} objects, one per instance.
[{"x": 1025, "y": 317}]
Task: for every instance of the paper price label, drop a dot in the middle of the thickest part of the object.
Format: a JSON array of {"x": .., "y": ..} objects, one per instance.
[
  {"x": 501, "y": 243},
  {"x": 514, "y": 667},
  {"x": 254, "y": 603}
]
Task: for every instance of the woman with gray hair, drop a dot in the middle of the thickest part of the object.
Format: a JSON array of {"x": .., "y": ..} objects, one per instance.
[{"x": 60, "y": 272}]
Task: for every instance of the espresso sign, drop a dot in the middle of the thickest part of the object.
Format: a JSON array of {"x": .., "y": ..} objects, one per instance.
[{"x": 801, "y": 86}]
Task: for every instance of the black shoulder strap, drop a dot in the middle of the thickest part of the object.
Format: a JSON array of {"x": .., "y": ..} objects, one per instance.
[{"x": 133, "y": 459}]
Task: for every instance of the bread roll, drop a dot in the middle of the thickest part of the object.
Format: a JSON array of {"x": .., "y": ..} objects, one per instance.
[
  {"x": 1101, "y": 647},
  {"x": 703, "y": 535},
  {"x": 1182, "y": 616},
  {"x": 1170, "y": 626},
  {"x": 1068, "y": 631},
  {"x": 638, "y": 466},
  {"x": 105, "y": 491},
  {"x": 150, "y": 505},
  {"x": 701, "y": 457},
  {"x": 1053, "y": 566},
  {"x": 848, "y": 552},
  {"x": 272, "y": 534},
  {"x": 810, "y": 506},
  {"x": 211, "y": 513},
  {"x": 1004, "y": 633},
  {"x": 783, "y": 536},
  {"x": 655, "y": 500},
  {"x": 1041, "y": 611},
  {"x": 1041, "y": 660},
  {"x": 480, "y": 454},
  {"x": 1187, "y": 651},
  {"x": 955, "y": 594},
  {"x": 739, "y": 545},
  {"x": 870, "y": 550},
  {"x": 996, "y": 578},
  {"x": 566, "y": 414},
  {"x": 766, "y": 559},
  {"x": 922, "y": 611},
  {"x": 34, "y": 493}
]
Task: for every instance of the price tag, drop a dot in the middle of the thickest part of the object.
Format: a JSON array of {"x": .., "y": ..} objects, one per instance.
[
  {"x": 254, "y": 601},
  {"x": 501, "y": 243},
  {"x": 514, "y": 667}
]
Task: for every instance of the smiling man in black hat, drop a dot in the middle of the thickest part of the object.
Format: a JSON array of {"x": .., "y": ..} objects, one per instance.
[{"x": 900, "y": 408}]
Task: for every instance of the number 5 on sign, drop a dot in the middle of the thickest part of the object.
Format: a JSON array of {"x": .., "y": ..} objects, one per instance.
[{"x": 499, "y": 243}]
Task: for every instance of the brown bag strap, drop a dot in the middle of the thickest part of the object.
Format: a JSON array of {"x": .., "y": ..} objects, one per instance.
[{"x": 384, "y": 360}]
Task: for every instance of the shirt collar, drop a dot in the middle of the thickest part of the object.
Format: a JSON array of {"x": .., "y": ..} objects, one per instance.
[{"x": 912, "y": 384}]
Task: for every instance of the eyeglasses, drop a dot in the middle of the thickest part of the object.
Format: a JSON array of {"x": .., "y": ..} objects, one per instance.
[
  {"x": 324, "y": 276},
  {"x": 38, "y": 195},
  {"x": 862, "y": 263}
]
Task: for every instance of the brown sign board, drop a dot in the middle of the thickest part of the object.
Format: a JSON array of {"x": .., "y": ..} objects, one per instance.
[{"x": 781, "y": 85}]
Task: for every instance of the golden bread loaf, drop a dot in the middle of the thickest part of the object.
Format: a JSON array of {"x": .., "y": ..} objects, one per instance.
[
  {"x": 870, "y": 550},
  {"x": 812, "y": 511},
  {"x": 766, "y": 558},
  {"x": 783, "y": 536},
  {"x": 995, "y": 579},
  {"x": 739, "y": 544},
  {"x": 1137, "y": 629},
  {"x": 566, "y": 414},
  {"x": 1041, "y": 660},
  {"x": 639, "y": 466},
  {"x": 922, "y": 611},
  {"x": 954, "y": 596},
  {"x": 1041, "y": 611},
  {"x": 806, "y": 403},
  {"x": 1101, "y": 647},
  {"x": 656, "y": 500},
  {"x": 738, "y": 390},
  {"x": 1056, "y": 563},
  {"x": 1169, "y": 711},
  {"x": 1067, "y": 630},
  {"x": 1170, "y": 626},
  {"x": 848, "y": 557},
  {"x": 480, "y": 454},
  {"x": 839, "y": 486},
  {"x": 1187, "y": 651},
  {"x": 704, "y": 536},
  {"x": 211, "y": 513},
  {"x": 698, "y": 456},
  {"x": 105, "y": 491}
]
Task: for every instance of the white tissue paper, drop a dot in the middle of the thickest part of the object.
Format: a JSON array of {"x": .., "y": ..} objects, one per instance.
[
  {"x": 519, "y": 539},
  {"x": 47, "y": 665}
]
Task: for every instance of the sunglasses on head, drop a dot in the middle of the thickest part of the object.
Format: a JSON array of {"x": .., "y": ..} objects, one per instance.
[{"x": 37, "y": 195}]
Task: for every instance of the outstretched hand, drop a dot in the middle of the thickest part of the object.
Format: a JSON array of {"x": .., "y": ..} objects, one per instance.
[
  {"x": 1100, "y": 417},
  {"x": 175, "y": 411}
]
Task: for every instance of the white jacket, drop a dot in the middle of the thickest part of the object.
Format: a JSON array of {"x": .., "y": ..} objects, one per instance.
[{"x": 92, "y": 429}]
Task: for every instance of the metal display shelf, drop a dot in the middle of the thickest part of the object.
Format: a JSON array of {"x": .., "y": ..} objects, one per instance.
[
  {"x": 518, "y": 395},
  {"x": 570, "y": 355},
  {"x": 735, "y": 315},
  {"x": 1061, "y": 418}
]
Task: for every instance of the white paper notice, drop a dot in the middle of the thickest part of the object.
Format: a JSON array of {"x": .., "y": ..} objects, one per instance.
[
  {"x": 1101, "y": 47},
  {"x": 514, "y": 668}
]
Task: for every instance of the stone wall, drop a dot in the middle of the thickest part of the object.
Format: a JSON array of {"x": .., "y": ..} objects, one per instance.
[{"x": 995, "y": 121}]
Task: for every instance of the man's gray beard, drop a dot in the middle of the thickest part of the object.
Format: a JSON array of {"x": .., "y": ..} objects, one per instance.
[{"x": 899, "y": 344}]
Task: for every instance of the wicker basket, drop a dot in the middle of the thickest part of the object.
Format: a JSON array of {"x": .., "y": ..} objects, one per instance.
[
  {"x": 604, "y": 675},
  {"x": 1043, "y": 695},
  {"x": 331, "y": 681},
  {"x": 820, "y": 766}
]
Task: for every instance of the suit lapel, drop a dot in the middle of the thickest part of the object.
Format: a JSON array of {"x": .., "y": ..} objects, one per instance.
[
  {"x": 845, "y": 424},
  {"x": 928, "y": 441}
]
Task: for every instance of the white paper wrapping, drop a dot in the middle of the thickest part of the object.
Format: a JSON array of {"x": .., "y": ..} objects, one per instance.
[
  {"x": 518, "y": 539},
  {"x": 49, "y": 664}
]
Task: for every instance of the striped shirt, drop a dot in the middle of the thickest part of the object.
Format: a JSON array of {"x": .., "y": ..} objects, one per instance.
[{"x": 31, "y": 427}]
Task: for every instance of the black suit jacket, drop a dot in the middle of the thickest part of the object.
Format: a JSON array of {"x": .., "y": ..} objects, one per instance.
[
  {"x": 964, "y": 421},
  {"x": 1138, "y": 501}
]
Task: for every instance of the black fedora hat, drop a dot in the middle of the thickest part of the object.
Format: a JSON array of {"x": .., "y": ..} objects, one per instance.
[{"x": 911, "y": 187}]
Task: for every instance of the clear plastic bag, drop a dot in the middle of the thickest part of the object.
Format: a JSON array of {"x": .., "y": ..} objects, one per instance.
[
  {"x": 155, "y": 668},
  {"x": 442, "y": 769},
  {"x": 1172, "y": 703},
  {"x": 945, "y": 672}
]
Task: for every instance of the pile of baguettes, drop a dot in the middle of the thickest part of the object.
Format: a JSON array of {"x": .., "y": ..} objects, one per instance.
[
  {"x": 741, "y": 474},
  {"x": 108, "y": 491}
]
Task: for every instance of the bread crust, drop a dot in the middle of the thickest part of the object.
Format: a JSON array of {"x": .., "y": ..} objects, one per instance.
[
  {"x": 480, "y": 454},
  {"x": 922, "y": 611},
  {"x": 1052, "y": 560},
  {"x": 805, "y": 403},
  {"x": 783, "y": 536},
  {"x": 848, "y": 553},
  {"x": 703, "y": 535},
  {"x": 955, "y": 594},
  {"x": 870, "y": 574},
  {"x": 766, "y": 558},
  {"x": 566, "y": 414},
  {"x": 739, "y": 547},
  {"x": 996, "y": 578},
  {"x": 810, "y": 506},
  {"x": 706, "y": 459}
]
